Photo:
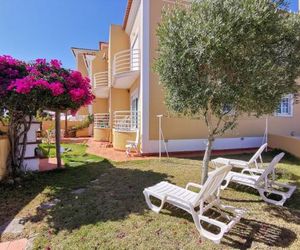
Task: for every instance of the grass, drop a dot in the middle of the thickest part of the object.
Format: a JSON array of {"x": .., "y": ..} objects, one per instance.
[{"x": 112, "y": 213}]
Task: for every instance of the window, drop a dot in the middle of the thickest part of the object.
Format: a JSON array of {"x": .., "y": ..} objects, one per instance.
[
  {"x": 285, "y": 107},
  {"x": 228, "y": 109},
  {"x": 135, "y": 54},
  {"x": 134, "y": 110}
]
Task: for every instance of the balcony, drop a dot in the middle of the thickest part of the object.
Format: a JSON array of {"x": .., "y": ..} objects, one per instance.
[
  {"x": 126, "y": 68},
  {"x": 126, "y": 121},
  {"x": 101, "y": 87},
  {"x": 102, "y": 127},
  {"x": 101, "y": 120}
]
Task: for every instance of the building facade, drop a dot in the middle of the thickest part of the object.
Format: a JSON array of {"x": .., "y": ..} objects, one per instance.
[{"x": 129, "y": 97}]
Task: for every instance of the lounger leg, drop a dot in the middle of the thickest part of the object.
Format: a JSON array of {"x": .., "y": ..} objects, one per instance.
[
  {"x": 154, "y": 208},
  {"x": 209, "y": 235},
  {"x": 128, "y": 151},
  {"x": 268, "y": 200}
]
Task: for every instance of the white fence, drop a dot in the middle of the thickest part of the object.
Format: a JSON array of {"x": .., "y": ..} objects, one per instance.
[
  {"x": 101, "y": 79},
  {"x": 126, "y": 120},
  {"x": 126, "y": 61},
  {"x": 102, "y": 120}
]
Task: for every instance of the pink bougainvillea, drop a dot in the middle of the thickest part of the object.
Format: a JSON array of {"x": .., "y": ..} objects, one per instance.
[
  {"x": 76, "y": 94},
  {"x": 10, "y": 70},
  {"x": 55, "y": 63},
  {"x": 48, "y": 83},
  {"x": 26, "y": 88},
  {"x": 56, "y": 88}
]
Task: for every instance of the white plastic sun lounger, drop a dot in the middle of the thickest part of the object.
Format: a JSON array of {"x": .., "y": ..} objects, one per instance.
[
  {"x": 255, "y": 162},
  {"x": 197, "y": 203},
  {"x": 264, "y": 182}
]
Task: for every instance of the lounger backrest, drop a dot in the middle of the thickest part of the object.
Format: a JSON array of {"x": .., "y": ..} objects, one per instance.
[
  {"x": 212, "y": 184},
  {"x": 257, "y": 155},
  {"x": 263, "y": 179}
]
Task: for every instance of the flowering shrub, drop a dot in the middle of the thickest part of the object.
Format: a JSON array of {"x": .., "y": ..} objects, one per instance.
[
  {"x": 10, "y": 70},
  {"x": 26, "y": 88},
  {"x": 45, "y": 81}
]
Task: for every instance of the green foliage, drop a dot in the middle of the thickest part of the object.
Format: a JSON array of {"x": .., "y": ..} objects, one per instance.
[
  {"x": 217, "y": 54},
  {"x": 226, "y": 52},
  {"x": 84, "y": 124},
  {"x": 43, "y": 116}
]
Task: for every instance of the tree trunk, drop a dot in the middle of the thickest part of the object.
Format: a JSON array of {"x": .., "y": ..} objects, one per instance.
[
  {"x": 57, "y": 138},
  {"x": 66, "y": 125},
  {"x": 206, "y": 159}
]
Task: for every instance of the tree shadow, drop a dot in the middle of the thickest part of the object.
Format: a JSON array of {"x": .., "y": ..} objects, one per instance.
[
  {"x": 246, "y": 232},
  {"x": 110, "y": 194},
  {"x": 287, "y": 214}
]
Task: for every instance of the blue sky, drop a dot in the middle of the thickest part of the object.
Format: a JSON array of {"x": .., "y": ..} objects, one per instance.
[{"x": 32, "y": 29}]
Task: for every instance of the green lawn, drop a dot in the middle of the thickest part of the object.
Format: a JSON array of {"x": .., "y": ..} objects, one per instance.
[{"x": 112, "y": 213}]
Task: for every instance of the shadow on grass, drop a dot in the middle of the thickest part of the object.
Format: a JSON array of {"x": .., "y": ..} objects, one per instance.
[
  {"x": 247, "y": 232},
  {"x": 289, "y": 215},
  {"x": 110, "y": 194}
]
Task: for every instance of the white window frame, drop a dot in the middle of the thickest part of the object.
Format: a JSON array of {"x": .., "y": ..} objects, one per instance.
[
  {"x": 134, "y": 95},
  {"x": 290, "y": 98},
  {"x": 135, "y": 44}
]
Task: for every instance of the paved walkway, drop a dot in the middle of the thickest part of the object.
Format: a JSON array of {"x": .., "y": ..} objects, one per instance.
[
  {"x": 48, "y": 164},
  {"x": 14, "y": 245},
  {"x": 104, "y": 149},
  {"x": 99, "y": 149}
]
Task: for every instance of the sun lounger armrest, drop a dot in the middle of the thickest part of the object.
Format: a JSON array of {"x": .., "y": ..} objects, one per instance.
[
  {"x": 191, "y": 184},
  {"x": 178, "y": 199}
]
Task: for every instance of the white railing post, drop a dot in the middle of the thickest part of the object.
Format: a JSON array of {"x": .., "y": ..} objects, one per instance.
[
  {"x": 101, "y": 79},
  {"x": 126, "y": 61},
  {"x": 127, "y": 121},
  {"x": 102, "y": 120}
]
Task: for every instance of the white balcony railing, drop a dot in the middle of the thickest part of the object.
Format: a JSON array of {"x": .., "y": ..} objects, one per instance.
[
  {"x": 102, "y": 120},
  {"x": 126, "y": 61},
  {"x": 101, "y": 79},
  {"x": 126, "y": 120}
]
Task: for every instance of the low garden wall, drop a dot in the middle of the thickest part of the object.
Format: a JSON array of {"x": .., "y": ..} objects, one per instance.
[
  {"x": 102, "y": 134},
  {"x": 84, "y": 132},
  {"x": 4, "y": 151},
  {"x": 289, "y": 144},
  {"x": 120, "y": 139},
  {"x": 51, "y": 124},
  {"x": 46, "y": 125}
]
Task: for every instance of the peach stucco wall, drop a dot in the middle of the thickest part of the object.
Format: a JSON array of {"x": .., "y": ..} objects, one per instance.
[
  {"x": 81, "y": 67},
  {"x": 100, "y": 64},
  {"x": 4, "y": 151},
  {"x": 120, "y": 139},
  {"x": 100, "y": 105},
  {"x": 181, "y": 128},
  {"x": 287, "y": 143},
  {"x": 102, "y": 134},
  {"x": 118, "y": 41}
]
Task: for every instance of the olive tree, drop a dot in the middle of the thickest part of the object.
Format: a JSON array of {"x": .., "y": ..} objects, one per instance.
[{"x": 218, "y": 59}]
